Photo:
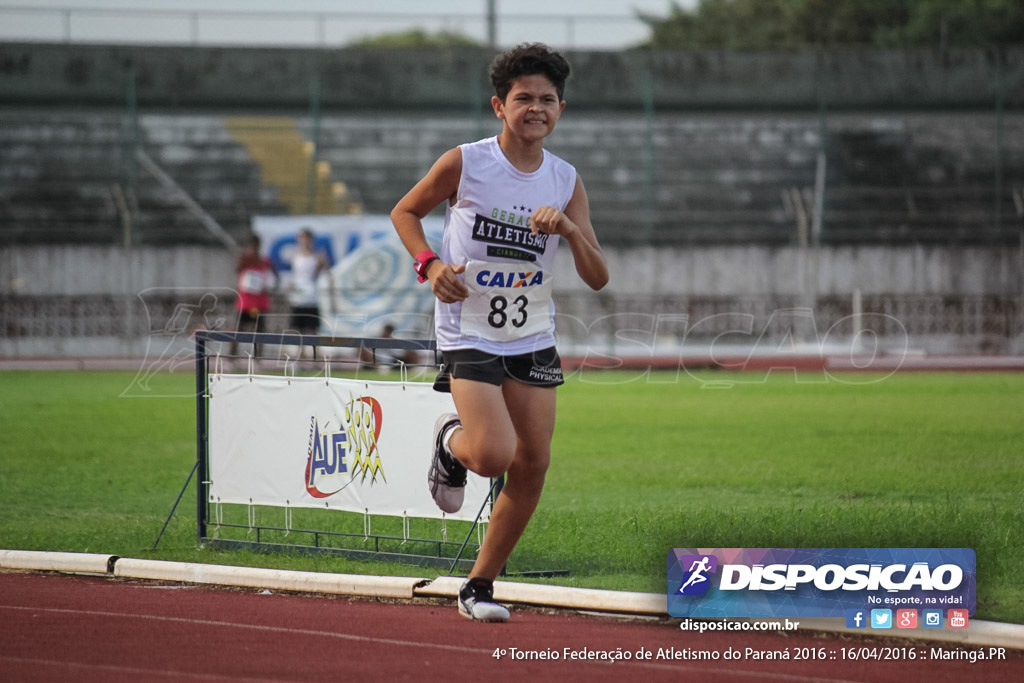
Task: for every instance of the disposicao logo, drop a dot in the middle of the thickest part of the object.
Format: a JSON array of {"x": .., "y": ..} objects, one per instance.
[
  {"x": 696, "y": 580},
  {"x": 339, "y": 455},
  {"x": 817, "y": 582}
]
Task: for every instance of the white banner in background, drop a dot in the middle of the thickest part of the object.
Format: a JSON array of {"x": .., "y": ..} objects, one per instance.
[
  {"x": 371, "y": 282},
  {"x": 317, "y": 442}
]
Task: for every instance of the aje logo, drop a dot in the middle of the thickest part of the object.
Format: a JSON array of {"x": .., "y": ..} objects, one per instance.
[{"x": 328, "y": 470}]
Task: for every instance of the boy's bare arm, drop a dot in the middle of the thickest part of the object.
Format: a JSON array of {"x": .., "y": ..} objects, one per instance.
[
  {"x": 441, "y": 183},
  {"x": 575, "y": 227}
]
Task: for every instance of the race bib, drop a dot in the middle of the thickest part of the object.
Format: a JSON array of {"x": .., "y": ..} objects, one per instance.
[
  {"x": 507, "y": 301},
  {"x": 253, "y": 282}
]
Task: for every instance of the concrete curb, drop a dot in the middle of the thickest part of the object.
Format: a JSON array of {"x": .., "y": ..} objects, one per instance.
[
  {"x": 82, "y": 563},
  {"x": 274, "y": 579},
  {"x": 582, "y": 599},
  {"x": 979, "y": 634}
]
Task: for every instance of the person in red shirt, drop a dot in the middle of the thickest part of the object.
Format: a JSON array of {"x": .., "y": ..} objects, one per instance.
[{"x": 257, "y": 277}]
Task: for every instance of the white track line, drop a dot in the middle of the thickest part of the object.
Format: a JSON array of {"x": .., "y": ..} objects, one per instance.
[
  {"x": 142, "y": 674},
  {"x": 980, "y": 633},
  {"x": 486, "y": 652}
]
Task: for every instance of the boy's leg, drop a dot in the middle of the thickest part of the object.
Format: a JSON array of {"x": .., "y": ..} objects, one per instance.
[
  {"x": 486, "y": 442},
  {"x": 530, "y": 411},
  {"x": 506, "y": 430},
  {"x": 479, "y": 438}
]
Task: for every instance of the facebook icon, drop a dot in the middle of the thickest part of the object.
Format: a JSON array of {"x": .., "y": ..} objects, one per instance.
[{"x": 856, "y": 618}]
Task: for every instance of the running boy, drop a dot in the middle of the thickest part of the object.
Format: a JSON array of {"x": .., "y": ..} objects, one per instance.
[{"x": 509, "y": 203}]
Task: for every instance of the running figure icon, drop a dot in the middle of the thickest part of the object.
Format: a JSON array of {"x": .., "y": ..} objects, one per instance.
[{"x": 696, "y": 570}]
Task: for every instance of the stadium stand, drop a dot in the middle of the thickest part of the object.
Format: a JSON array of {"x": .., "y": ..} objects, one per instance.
[
  {"x": 735, "y": 179},
  {"x": 75, "y": 177},
  {"x": 55, "y": 177},
  {"x": 677, "y": 179},
  {"x": 687, "y": 179},
  {"x": 287, "y": 161},
  {"x": 925, "y": 179},
  {"x": 706, "y": 163}
]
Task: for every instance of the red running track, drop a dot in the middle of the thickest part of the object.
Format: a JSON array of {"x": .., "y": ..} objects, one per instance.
[{"x": 85, "y": 629}]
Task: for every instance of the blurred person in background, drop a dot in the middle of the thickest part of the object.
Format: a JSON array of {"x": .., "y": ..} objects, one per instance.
[
  {"x": 257, "y": 278},
  {"x": 304, "y": 291},
  {"x": 385, "y": 359}
]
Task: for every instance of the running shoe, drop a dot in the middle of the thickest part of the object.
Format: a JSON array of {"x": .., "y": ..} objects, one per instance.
[
  {"x": 476, "y": 601},
  {"x": 447, "y": 476}
]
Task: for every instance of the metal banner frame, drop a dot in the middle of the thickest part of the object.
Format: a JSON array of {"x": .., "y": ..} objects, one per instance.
[{"x": 432, "y": 552}]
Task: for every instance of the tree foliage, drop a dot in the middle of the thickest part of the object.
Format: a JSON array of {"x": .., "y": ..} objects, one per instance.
[
  {"x": 761, "y": 24},
  {"x": 417, "y": 38}
]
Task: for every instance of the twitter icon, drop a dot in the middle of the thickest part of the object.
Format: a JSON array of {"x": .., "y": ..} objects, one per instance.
[{"x": 881, "y": 618}]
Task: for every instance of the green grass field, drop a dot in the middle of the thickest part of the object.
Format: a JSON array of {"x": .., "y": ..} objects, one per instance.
[{"x": 642, "y": 464}]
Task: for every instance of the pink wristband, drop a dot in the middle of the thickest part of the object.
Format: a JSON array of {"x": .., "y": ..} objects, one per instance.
[{"x": 424, "y": 259}]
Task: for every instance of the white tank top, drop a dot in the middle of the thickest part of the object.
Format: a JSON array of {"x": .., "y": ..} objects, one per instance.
[
  {"x": 303, "y": 290},
  {"x": 509, "y": 274}
]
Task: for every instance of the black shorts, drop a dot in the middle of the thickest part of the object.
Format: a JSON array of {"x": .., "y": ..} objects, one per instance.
[
  {"x": 541, "y": 368},
  {"x": 248, "y": 321},
  {"x": 306, "y": 319}
]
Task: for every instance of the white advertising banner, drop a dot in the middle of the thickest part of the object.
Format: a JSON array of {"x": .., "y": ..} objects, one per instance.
[
  {"x": 371, "y": 281},
  {"x": 318, "y": 442}
]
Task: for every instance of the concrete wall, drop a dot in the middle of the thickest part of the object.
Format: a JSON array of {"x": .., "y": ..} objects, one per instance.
[
  {"x": 829, "y": 271},
  {"x": 704, "y": 271},
  {"x": 82, "y": 302},
  {"x": 61, "y": 270},
  {"x": 455, "y": 79}
]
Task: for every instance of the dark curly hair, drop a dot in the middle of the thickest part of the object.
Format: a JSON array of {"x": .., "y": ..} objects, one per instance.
[{"x": 528, "y": 59}]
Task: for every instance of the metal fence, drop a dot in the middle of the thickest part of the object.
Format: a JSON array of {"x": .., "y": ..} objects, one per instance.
[
  {"x": 123, "y": 182},
  {"x": 213, "y": 26}
]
